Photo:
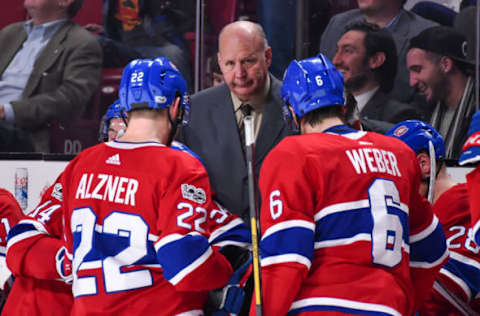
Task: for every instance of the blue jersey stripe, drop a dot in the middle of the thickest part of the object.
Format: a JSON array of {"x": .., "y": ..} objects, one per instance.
[
  {"x": 177, "y": 255},
  {"x": 346, "y": 224},
  {"x": 428, "y": 250},
  {"x": 292, "y": 240}
]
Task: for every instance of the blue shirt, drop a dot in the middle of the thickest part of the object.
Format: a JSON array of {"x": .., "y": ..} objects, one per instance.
[{"x": 15, "y": 77}]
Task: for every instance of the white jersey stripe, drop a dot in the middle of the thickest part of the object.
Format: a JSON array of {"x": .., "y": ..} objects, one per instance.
[
  {"x": 349, "y": 304},
  {"x": 286, "y": 258},
  {"x": 288, "y": 224}
]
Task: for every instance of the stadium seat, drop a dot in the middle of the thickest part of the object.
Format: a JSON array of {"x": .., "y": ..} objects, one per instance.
[{"x": 435, "y": 11}]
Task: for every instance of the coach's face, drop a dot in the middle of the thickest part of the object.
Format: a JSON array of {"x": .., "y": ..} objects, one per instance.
[{"x": 244, "y": 60}]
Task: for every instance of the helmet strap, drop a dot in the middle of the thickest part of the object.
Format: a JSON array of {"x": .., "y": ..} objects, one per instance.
[{"x": 174, "y": 123}]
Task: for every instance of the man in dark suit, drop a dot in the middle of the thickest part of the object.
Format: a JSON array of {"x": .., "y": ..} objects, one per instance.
[
  {"x": 388, "y": 14},
  {"x": 49, "y": 69},
  {"x": 213, "y": 132},
  {"x": 367, "y": 58}
]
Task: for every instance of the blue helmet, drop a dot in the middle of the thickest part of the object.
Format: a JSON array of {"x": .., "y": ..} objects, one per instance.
[
  {"x": 152, "y": 84},
  {"x": 416, "y": 134},
  {"x": 311, "y": 84},
  {"x": 115, "y": 110}
]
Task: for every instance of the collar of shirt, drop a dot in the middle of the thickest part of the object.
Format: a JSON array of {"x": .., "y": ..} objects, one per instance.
[
  {"x": 394, "y": 21},
  {"x": 46, "y": 30},
  {"x": 256, "y": 102},
  {"x": 362, "y": 99},
  {"x": 340, "y": 129}
]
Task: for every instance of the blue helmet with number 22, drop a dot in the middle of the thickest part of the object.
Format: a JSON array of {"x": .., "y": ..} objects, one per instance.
[
  {"x": 416, "y": 134},
  {"x": 152, "y": 83},
  {"x": 312, "y": 83}
]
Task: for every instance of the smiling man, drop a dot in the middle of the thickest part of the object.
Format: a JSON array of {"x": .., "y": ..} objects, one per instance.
[
  {"x": 440, "y": 71},
  {"x": 367, "y": 58},
  {"x": 214, "y": 131}
]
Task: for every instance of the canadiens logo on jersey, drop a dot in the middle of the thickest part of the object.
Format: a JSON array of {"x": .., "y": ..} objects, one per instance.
[{"x": 192, "y": 193}]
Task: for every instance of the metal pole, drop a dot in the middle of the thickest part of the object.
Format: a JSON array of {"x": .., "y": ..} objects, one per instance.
[
  {"x": 477, "y": 59},
  {"x": 299, "y": 29},
  {"x": 198, "y": 22}
]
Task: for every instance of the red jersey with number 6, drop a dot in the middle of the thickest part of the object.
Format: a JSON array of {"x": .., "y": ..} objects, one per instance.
[{"x": 344, "y": 227}]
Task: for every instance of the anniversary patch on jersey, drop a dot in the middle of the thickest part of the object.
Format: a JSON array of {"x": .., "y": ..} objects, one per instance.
[
  {"x": 57, "y": 191},
  {"x": 192, "y": 193}
]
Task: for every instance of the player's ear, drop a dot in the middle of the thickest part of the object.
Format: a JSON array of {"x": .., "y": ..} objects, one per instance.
[
  {"x": 424, "y": 163},
  {"x": 174, "y": 109}
]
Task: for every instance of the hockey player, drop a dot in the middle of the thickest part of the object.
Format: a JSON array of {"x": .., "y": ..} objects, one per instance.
[
  {"x": 458, "y": 284},
  {"x": 140, "y": 225},
  {"x": 10, "y": 214},
  {"x": 344, "y": 229},
  {"x": 39, "y": 288},
  {"x": 471, "y": 155},
  {"x": 113, "y": 123}
]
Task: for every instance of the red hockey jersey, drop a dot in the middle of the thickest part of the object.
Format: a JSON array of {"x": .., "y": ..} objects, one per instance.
[
  {"x": 138, "y": 218},
  {"x": 343, "y": 226},
  {"x": 460, "y": 275},
  {"x": 32, "y": 260},
  {"x": 473, "y": 184},
  {"x": 10, "y": 214}
]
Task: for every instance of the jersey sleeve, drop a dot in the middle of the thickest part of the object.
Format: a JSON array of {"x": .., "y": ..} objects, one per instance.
[
  {"x": 10, "y": 214},
  {"x": 183, "y": 250},
  {"x": 428, "y": 248},
  {"x": 36, "y": 239},
  {"x": 227, "y": 229},
  {"x": 473, "y": 184},
  {"x": 287, "y": 227}
]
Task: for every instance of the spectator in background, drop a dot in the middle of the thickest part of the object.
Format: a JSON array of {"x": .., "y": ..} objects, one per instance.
[
  {"x": 367, "y": 58},
  {"x": 388, "y": 14},
  {"x": 215, "y": 72},
  {"x": 49, "y": 69},
  {"x": 135, "y": 29},
  {"x": 450, "y": 204},
  {"x": 214, "y": 132},
  {"x": 278, "y": 20},
  {"x": 442, "y": 74}
]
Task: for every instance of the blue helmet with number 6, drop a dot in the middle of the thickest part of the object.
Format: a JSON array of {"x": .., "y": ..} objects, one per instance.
[
  {"x": 152, "y": 84},
  {"x": 417, "y": 134},
  {"x": 312, "y": 83}
]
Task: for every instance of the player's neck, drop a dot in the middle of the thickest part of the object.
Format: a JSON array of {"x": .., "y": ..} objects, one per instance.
[
  {"x": 442, "y": 183},
  {"x": 306, "y": 128},
  {"x": 143, "y": 129}
]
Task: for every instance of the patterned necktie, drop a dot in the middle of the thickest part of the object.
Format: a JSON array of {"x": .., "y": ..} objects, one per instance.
[{"x": 245, "y": 109}]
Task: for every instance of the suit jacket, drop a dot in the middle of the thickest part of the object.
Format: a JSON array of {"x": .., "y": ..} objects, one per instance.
[
  {"x": 213, "y": 134},
  {"x": 64, "y": 78},
  {"x": 382, "y": 112},
  {"x": 408, "y": 25}
]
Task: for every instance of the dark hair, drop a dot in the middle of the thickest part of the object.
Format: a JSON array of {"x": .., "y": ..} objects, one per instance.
[
  {"x": 317, "y": 116},
  {"x": 379, "y": 40},
  {"x": 74, "y": 7},
  {"x": 465, "y": 68}
]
